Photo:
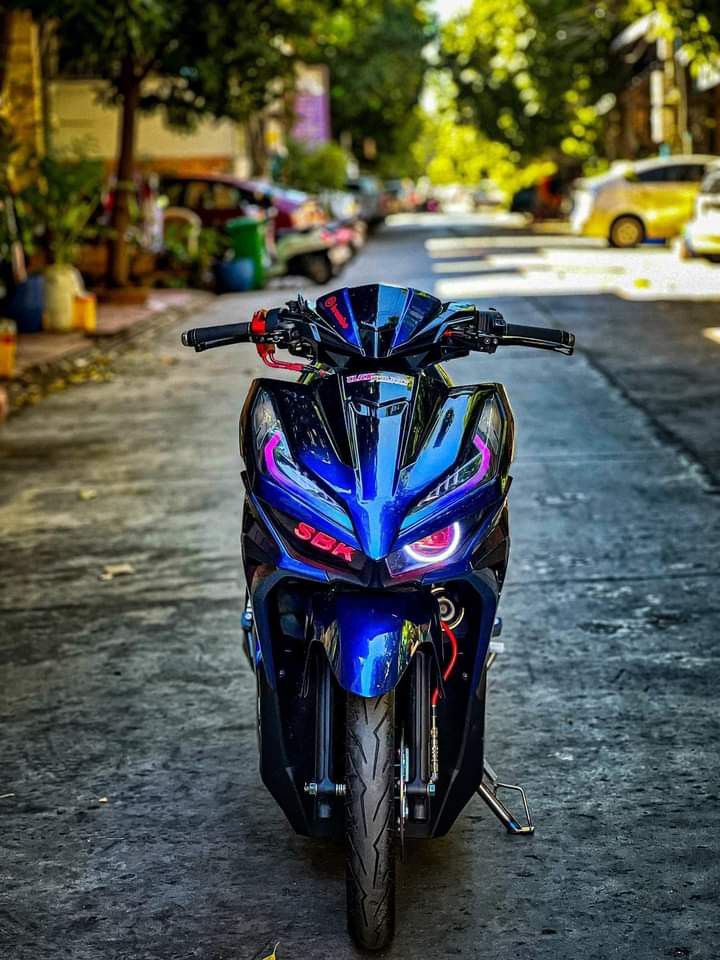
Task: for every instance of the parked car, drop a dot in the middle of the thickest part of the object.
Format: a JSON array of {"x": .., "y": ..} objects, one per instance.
[
  {"x": 217, "y": 198},
  {"x": 402, "y": 196},
  {"x": 371, "y": 199},
  {"x": 345, "y": 217},
  {"x": 701, "y": 237},
  {"x": 645, "y": 200}
]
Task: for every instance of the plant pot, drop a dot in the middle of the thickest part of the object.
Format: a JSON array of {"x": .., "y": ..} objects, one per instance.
[
  {"x": 234, "y": 276},
  {"x": 25, "y": 305},
  {"x": 62, "y": 284}
]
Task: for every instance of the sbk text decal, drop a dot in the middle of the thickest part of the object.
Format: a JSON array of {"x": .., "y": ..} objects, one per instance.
[{"x": 324, "y": 542}]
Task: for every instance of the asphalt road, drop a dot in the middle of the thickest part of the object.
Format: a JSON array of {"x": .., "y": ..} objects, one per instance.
[{"x": 133, "y": 824}]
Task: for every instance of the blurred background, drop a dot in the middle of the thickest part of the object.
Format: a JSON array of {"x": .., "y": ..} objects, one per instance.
[
  {"x": 137, "y": 140},
  {"x": 166, "y": 164}
]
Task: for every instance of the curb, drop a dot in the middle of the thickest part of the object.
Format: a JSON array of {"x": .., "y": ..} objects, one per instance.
[{"x": 90, "y": 360}]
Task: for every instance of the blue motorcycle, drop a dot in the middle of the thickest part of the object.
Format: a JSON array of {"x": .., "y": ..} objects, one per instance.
[{"x": 375, "y": 545}]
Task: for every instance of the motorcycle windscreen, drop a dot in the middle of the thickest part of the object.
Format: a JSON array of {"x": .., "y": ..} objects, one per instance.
[{"x": 370, "y": 638}]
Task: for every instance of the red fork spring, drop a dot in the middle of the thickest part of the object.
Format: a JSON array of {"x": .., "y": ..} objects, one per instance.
[{"x": 451, "y": 662}]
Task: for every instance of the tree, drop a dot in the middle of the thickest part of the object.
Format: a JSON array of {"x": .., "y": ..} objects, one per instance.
[
  {"x": 449, "y": 151},
  {"x": 223, "y": 59},
  {"x": 695, "y": 24},
  {"x": 322, "y": 167},
  {"x": 377, "y": 71},
  {"x": 536, "y": 74},
  {"x": 540, "y": 75}
]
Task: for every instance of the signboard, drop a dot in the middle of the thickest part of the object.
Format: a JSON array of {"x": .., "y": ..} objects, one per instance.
[{"x": 312, "y": 105}]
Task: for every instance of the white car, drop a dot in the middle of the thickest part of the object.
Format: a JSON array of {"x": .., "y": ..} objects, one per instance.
[{"x": 701, "y": 236}]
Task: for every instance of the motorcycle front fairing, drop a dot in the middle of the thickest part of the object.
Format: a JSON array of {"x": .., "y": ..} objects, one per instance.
[{"x": 339, "y": 472}]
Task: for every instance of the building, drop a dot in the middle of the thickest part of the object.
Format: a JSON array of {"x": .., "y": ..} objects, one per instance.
[
  {"x": 78, "y": 115},
  {"x": 663, "y": 106}
]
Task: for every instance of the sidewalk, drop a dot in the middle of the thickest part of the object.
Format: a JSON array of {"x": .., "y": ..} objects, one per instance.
[
  {"x": 42, "y": 349},
  {"x": 48, "y": 361}
]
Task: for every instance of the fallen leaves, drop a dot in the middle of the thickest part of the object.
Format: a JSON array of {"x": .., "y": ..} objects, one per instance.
[
  {"x": 37, "y": 383},
  {"x": 112, "y": 570}
]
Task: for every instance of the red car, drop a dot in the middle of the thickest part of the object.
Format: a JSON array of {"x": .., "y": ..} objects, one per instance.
[{"x": 217, "y": 198}]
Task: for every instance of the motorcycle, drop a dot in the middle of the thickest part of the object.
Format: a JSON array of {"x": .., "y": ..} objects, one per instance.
[
  {"x": 311, "y": 252},
  {"x": 375, "y": 545}
]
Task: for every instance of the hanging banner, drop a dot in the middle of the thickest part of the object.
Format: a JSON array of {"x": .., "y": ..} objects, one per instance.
[{"x": 312, "y": 105}]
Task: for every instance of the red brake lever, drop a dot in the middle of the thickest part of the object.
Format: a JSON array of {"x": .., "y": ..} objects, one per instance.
[{"x": 266, "y": 351}]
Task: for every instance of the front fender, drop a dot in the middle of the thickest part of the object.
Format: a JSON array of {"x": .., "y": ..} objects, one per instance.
[{"x": 370, "y": 638}]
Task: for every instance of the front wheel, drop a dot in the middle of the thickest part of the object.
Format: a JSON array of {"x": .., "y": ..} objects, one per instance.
[
  {"x": 370, "y": 819},
  {"x": 316, "y": 267}
]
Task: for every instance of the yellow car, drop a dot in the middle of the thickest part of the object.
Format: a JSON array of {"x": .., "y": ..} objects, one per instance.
[{"x": 644, "y": 200}]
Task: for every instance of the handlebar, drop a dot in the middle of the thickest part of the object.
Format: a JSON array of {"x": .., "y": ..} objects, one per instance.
[
  {"x": 546, "y": 338},
  {"x": 479, "y": 330},
  {"x": 204, "y": 338}
]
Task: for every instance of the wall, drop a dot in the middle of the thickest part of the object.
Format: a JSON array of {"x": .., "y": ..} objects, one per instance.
[{"x": 78, "y": 116}]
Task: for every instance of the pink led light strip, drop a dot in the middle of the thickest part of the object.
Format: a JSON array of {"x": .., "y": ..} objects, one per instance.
[
  {"x": 269, "y": 457},
  {"x": 478, "y": 476}
]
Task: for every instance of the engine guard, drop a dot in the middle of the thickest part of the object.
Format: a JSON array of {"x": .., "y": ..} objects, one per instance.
[{"x": 370, "y": 638}]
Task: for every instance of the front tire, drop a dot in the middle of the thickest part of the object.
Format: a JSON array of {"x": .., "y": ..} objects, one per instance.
[
  {"x": 316, "y": 267},
  {"x": 370, "y": 819}
]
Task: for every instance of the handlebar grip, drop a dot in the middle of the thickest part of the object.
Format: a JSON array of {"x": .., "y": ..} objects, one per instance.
[
  {"x": 540, "y": 335},
  {"x": 202, "y": 338}
]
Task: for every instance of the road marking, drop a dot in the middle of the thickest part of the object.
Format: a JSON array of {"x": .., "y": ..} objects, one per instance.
[{"x": 712, "y": 333}]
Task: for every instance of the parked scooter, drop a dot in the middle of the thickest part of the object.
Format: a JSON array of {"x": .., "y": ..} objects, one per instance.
[
  {"x": 307, "y": 253},
  {"x": 375, "y": 546}
]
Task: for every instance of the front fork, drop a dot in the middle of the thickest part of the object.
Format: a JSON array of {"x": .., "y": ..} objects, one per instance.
[{"x": 419, "y": 766}]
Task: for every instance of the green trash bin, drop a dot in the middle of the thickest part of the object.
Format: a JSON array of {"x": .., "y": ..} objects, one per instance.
[{"x": 247, "y": 236}]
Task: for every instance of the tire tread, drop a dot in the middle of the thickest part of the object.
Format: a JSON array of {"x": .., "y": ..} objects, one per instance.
[{"x": 369, "y": 820}]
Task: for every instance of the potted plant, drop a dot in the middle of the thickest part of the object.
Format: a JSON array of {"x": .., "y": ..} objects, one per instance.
[{"x": 56, "y": 209}]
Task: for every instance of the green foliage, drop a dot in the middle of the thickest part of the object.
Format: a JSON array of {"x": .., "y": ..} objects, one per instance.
[
  {"x": 533, "y": 74},
  {"x": 539, "y": 75},
  {"x": 374, "y": 51},
  {"x": 694, "y": 23},
  {"x": 227, "y": 58},
  {"x": 55, "y": 210},
  {"x": 450, "y": 152},
  {"x": 189, "y": 256},
  {"x": 315, "y": 168}
]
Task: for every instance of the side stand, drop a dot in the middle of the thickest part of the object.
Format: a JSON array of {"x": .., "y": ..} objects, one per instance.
[{"x": 488, "y": 789}]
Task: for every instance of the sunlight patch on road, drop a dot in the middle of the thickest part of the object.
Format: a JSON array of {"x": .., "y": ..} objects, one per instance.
[
  {"x": 712, "y": 333},
  {"x": 532, "y": 266},
  {"x": 534, "y": 284},
  {"x": 438, "y": 246},
  {"x": 489, "y": 265}
]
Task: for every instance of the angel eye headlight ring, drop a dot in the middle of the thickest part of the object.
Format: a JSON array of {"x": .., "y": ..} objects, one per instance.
[{"x": 436, "y": 547}]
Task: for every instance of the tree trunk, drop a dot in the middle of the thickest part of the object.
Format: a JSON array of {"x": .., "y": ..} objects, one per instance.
[
  {"x": 256, "y": 142},
  {"x": 48, "y": 74},
  {"x": 119, "y": 259}
]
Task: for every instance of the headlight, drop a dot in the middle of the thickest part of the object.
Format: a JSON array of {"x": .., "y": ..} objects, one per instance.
[
  {"x": 427, "y": 552},
  {"x": 481, "y": 461},
  {"x": 437, "y": 547},
  {"x": 276, "y": 461}
]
